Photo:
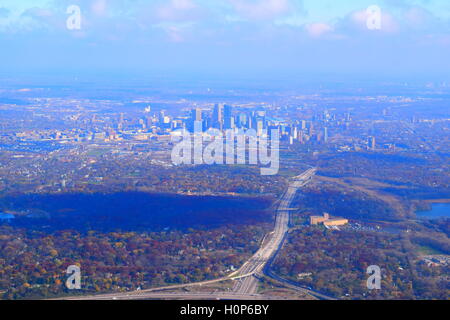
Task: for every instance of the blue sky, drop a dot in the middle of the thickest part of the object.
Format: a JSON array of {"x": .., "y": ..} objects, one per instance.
[{"x": 244, "y": 37}]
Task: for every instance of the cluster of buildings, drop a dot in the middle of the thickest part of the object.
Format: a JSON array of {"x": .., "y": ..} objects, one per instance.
[
  {"x": 221, "y": 116},
  {"x": 436, "y": 260},
  {"x": 327, "y": 221},
  {"x": 225, "y": 117},
  {"x": 146, "y": 124}
]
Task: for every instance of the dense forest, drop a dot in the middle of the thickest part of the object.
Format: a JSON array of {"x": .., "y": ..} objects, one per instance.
[
  {"x": 335, "y": 263},
  {"x": 33, "y": 263},
  {"x": 350, "y": 204}
]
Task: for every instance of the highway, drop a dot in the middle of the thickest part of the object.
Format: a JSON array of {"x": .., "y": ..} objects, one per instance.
[
  {"x": 137, "y": 295},
  {"x": 248, "y": 273}
]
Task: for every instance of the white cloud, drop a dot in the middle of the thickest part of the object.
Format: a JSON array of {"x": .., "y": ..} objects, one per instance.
[
  {"x": 318, "y": 29},
  {"x": 183, "y": 4},
  {"x": 178, "y": 10},
  {"x": 99, "y": 7},
  {"x": 417, "y": 17},
  {"x": 260, "y": 9},
  {"x": 358, "y": 19}
]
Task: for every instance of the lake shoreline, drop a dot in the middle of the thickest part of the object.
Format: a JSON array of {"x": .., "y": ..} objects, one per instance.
[
  {"x": 439, "y": 210},
  {"x": 437, "y": 201}
]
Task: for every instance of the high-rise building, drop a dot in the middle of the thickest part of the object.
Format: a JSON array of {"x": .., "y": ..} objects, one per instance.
[
  {"x": 217, "y": 121},
  {"x": 347, "y": 116},
  {"x": 250, "y": 122},
  {"x": 228, "y": 117},
  {"x": 325, "y": 134},
  {"x": 311, "y": 129},
  {"x": 242, "y": 120},
  {"x": 300, "y": 137},
  {"x": 196, "y": 114},
  {"x": 259, "y": 126},
  {"x": 294, "y": 133},
  {"x": 148, "y": 121},
  {"x": 175, "y": 124},
  {"x": 232, "y": 123},
  {"x": 303, "y": 124},
  {"x": 121, "y": 121},
  {"x": 371, "y": 143},
  {"x": 162, "y": 115},
  {"x": 143, "y": 123}
]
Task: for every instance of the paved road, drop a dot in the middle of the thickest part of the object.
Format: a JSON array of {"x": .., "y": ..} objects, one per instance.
[
  {"x": 136, "y": 295},
  {"x": 247, "y": 275},
  {"x": 256, "y": 264}
]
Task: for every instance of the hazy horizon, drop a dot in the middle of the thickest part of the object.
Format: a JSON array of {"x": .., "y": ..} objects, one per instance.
[{"x": 227, "y": 38}]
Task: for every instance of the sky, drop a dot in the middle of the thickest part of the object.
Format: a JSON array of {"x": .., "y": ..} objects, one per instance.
[{"x": 232, "y": 37}]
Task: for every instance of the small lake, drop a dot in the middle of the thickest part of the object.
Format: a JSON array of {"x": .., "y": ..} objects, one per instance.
[
  {"x": 439, "y": 210},
  {"x": 6, "y": 216}
]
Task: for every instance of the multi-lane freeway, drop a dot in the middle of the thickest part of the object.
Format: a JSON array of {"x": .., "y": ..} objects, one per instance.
[
  {"x": 247, "y": 276},
  {"x": 248, "y": 273},
  {"x": 143, "y": 295}
]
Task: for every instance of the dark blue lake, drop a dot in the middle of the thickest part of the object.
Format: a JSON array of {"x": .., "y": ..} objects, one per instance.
[
  {"x": 439, "y": 210},
  {"x": 6, "y": 216}
]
